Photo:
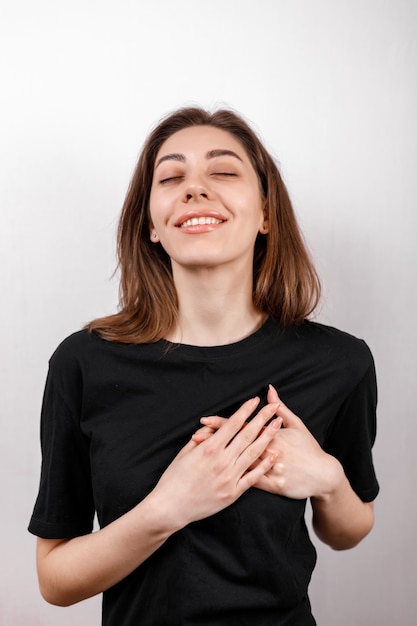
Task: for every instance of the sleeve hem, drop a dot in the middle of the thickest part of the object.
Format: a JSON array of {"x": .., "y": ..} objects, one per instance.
[
  {"x": 368, "y": 495},
  {"x": 47, "y": 530}
]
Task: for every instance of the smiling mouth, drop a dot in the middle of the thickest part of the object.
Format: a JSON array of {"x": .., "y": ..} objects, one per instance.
[{"x": 200, "y": 221}]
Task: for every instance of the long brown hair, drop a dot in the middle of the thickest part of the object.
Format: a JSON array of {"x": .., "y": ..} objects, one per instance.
[{"x": 285, "y": 283}]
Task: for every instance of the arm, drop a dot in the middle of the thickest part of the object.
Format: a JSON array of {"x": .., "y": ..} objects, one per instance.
[
  {"x": 200, "y": 481},
  {"x": 340, "y": 518},
  {"x": 71, "y": 570}
]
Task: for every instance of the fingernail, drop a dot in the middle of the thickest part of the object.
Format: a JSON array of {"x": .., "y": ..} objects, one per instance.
[
  {"x": 272, "y": 388},
  {"x": 277, "y": 423},
  {"x": 206, "y": 420}
]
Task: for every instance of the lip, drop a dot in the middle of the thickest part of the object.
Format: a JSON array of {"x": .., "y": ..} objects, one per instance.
[{"x": 198, "y": 214}]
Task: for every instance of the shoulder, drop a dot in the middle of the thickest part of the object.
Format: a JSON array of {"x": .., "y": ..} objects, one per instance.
[
  {"x": 341, "y": 347},
  {"x": 336, "y": 347},
  {"x": 84, "y": 353},
  {"x": 79, "y": 361},
  {"x": 334, "y": 337},
  {"x": 74, "y": 356},
  {"x": 341, "y": 340},
  {"x": 74, "y": 347}
]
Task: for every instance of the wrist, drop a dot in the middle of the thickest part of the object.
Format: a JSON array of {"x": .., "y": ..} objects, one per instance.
[
  {"x": 333, "y": 481},
  {"x": 162, "y": 516}
]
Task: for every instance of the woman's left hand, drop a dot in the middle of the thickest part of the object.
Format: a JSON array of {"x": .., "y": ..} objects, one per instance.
[{"x": 302, "y": 468}]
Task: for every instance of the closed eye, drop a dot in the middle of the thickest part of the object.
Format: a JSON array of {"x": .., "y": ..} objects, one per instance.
[
  {"x": 223, "y": 174},
  {"x": 169, "y": 179}
]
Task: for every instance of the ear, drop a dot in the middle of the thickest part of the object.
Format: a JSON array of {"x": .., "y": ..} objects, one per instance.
[{"x": 264, "y": 228}]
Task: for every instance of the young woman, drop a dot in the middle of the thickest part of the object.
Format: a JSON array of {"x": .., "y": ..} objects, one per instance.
[{"x": 165, "y": 420}]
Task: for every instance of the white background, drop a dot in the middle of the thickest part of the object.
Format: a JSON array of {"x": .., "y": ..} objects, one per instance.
[{"x": 331, "y": 87}]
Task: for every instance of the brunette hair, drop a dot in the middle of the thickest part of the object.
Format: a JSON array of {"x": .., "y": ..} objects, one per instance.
[{"x": 285, "y": 283}]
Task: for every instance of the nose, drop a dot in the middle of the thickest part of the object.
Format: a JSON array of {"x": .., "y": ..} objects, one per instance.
[
  {"x": 196, "y": 194},
  {"x": 196, "y": 188}
]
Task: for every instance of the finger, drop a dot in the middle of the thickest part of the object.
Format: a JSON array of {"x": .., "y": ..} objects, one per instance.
[
  {"x": 272, "y": 395},
  {"x": 271, "y": 449},
  {"x": 290, "y": 419},
  {"x": 234, "y": 424},
  {"x": 256, "y": 426},
  {"x": 252, "y": 430},
  {"x": 253, "y": 476},
  {"x": 250, "y": 443},
  {"x": 266, "y": 483},
  {"x": 213, "y": 421},
  {"x": 202, "y": 434}
]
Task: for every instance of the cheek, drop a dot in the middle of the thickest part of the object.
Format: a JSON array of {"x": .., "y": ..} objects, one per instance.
[
  {"x": 156, "y": 209},
  {"x": 252, "y": 207}
]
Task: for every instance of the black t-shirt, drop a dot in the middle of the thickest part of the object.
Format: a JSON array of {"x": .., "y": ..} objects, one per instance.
[{"x": 115, "y": 415}]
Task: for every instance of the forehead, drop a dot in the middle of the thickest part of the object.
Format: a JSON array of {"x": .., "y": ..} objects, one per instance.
[{"x": 198, "y": 140}]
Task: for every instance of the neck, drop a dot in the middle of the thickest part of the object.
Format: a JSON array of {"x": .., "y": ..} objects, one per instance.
[{"x": 214, "y": 308}]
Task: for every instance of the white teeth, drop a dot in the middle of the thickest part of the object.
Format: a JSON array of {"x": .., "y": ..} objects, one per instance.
[{"x": 194, "y": 221}]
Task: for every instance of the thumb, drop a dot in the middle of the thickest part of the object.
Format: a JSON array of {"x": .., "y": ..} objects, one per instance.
[{"x": 289, "y": 419}]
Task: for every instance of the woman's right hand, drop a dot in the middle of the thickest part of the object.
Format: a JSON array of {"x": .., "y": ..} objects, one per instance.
[
  {"x": 202, "y": 479},
  {"x": 207, "y": 477}
]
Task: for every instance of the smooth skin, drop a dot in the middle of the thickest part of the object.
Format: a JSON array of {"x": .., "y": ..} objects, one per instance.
[{"x": 204, "y": 173}]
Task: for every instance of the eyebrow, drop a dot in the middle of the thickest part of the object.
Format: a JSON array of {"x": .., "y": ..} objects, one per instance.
[
  {"x": 211, "y": 154},
  {"x": 171, "y": 157}
]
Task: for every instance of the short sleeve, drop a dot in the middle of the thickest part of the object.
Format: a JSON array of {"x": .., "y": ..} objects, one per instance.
[
  {"x": 64, "y": 507},
  {"x": 353, "y": 433}
]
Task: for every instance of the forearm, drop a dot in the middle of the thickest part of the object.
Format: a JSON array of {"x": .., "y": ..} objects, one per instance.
[
  {"x": 340, "y": 518},
  {"x": 76, "y": 569}
]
